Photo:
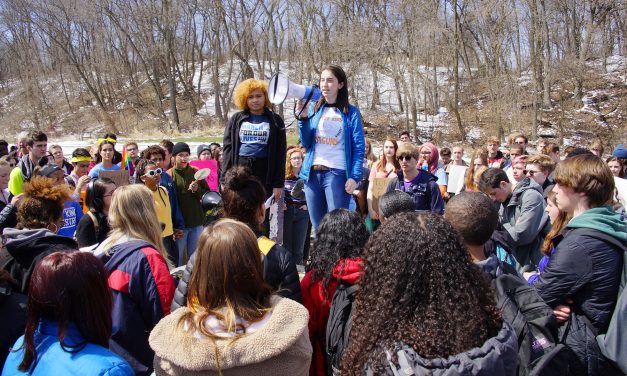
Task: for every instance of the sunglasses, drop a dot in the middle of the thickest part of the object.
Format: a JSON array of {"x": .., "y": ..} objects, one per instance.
[
  {"x": 404, "y": 157},
  {"x": 151, "y": 173},
  {"x": 532, "y": 172}
]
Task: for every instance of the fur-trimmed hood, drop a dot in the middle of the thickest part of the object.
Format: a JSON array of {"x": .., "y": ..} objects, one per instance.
[{"x": 280, "y": 347}]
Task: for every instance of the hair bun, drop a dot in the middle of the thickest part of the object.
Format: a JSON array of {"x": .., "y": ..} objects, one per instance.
[{"x": 238, "y": 178}]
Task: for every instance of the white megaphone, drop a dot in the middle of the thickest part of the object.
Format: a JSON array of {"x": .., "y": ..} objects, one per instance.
[{"x": 280, "y": 88}]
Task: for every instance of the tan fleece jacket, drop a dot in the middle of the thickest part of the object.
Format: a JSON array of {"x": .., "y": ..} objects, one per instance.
[{"x": 281, "y": 347}]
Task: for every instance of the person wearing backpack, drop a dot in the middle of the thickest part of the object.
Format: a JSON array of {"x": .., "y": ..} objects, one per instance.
[
  {"x": 340, "y": 239},
  {"x": 534, "y": 322},
  {"x": 475, "y": 218},
  {"x": 521, "y": 210},
  {"x": 585, "y": 269},
  {"x": 423, "y": 307}
]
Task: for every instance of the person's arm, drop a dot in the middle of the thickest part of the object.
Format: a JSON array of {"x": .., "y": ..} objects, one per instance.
[
  {"x": 369, "y": 194},
  {"x": 305, "y": 132},
  {"x": 278, "y": 180},
  {"x": 568, "y": 270},
  {"x": 527, "y": 225},
  {"x": 86, "y": 232},
  {"x": 227, "y": 148},
  {"x": 359, "y": 145},
  {"x": 180, "y": 295},
  {"x": 436, "y": 203},
  {"x": 8, "y": 216},
  {"x": 177, "y": 215},
  {"x": 153, "y": 287}
]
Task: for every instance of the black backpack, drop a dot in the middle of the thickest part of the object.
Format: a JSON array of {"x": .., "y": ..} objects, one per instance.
[
  {"x": 539, "y": 349},
  {"x": 339, "y": 325}
]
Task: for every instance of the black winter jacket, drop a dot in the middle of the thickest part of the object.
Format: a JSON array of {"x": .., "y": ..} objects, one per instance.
[
  {"x": 279, "y": 271},
  {"x": 277, "y": 146},
  {"x": 12, "y": 318},
  {"x": 8, "y": 217},
  {"x": 497, "y": 356},
  {"x": 585, "y": 267},
  {"x": 25, "y": 248}
]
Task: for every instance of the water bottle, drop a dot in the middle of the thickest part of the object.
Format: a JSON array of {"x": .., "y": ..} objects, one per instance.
[{"x": 425, "y": 166}]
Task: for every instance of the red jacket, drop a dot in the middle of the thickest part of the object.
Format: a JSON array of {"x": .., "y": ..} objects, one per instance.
[{"x": 318, "y": 307}]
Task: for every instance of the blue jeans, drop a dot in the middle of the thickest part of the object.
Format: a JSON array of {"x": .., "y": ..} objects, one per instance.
[
  {"x": 189, "y": 241},
  {"x": 325, "y": 192},
  {"x": 295, "y": 224}
]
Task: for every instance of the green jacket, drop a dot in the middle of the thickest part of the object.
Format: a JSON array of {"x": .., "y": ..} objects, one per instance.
[{"x": 189, "y": 202}]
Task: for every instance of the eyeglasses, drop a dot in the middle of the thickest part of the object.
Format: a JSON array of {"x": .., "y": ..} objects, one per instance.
[
  {"x": 157, "y": 171},
  {"x": 404, "y": 157},
  {"x": 532, "y": 172}
]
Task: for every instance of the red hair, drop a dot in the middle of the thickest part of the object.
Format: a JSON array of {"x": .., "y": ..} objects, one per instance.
[{"x": 68, "y": 287}]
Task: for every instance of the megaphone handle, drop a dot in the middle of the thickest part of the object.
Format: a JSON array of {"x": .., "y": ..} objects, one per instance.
[{"x": 307, "y": 100}]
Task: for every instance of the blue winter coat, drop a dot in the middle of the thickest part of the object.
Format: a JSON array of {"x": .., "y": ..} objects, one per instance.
[
  {"x": 354, "y": 143},
  {"x": 52, "y": 359},
  {"x": 142, "y": 293}
]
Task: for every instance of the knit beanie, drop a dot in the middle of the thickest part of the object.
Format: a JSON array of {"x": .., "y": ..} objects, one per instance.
[
  {"x": 620, "y": 151},
  {"x": 202, "y": 148},
  {"x": 180, "y": 147}
]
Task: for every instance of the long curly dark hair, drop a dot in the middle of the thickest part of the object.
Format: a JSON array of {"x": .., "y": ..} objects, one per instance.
[
  {"x": 419, "y": 288},
  {"x": 341, "y": 235}
]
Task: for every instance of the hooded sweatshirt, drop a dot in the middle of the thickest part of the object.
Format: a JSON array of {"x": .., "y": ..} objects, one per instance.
[
  {"x": 26, "y": 247},
  {"x": 318, "y": 304}
]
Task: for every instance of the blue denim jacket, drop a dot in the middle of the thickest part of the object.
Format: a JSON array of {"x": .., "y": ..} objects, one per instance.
[{"x": 354, "y": 143}]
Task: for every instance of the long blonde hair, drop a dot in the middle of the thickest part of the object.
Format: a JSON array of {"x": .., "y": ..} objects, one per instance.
[{"x": 133, "y": 214}]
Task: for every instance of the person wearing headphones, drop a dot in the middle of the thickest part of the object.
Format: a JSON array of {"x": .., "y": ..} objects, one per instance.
[{"x": 93, "y": 227}]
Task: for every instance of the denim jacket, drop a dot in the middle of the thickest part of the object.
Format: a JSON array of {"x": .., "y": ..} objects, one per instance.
[{"x": 354, "y": 143}]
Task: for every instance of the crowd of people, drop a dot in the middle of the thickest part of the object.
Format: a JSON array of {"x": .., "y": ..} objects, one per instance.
[{"x": 173, "y": 270}]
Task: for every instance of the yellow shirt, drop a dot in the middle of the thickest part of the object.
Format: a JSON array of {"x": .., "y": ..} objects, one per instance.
[
  {"x": 16, "y": 182},
  {"x": 164, "y": 212}
]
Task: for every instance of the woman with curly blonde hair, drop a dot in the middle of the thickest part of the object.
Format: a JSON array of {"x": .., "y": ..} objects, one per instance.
[
  {"x": 255, "y": 137},
  {"x": 39, "y": 217}
]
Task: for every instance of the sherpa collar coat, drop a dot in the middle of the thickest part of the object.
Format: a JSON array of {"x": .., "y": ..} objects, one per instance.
[{"x": 280, "y": 347}]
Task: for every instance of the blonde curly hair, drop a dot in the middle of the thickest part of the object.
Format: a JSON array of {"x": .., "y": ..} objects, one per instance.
[{"x": 245, "y": 88}]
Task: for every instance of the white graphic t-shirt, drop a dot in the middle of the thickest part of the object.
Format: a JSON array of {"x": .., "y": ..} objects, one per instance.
[{"x": 330, "y": 135}]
